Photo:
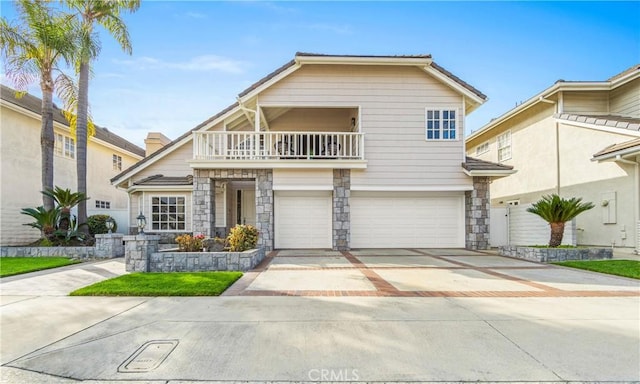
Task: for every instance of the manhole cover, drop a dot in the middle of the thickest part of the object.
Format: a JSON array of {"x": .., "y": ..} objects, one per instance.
[{"x": 149, "y": 356}]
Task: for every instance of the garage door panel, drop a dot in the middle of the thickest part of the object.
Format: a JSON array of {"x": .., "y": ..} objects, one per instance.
[
  {"x": 407, "y": 220},
  {"x": 303, "y": 220}
]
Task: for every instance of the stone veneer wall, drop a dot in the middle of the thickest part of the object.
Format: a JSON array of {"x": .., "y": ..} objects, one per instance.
[
  {"x": 137, "y": 250},
  {"x": 204, "y": 200},
  {"x": 476, "y": 212},
  {"x": 341, "y": 209},
  {"x": 205, "y": 261},
  {"x": 107, "y": 246},
  {"x": 548, "y": 255}
]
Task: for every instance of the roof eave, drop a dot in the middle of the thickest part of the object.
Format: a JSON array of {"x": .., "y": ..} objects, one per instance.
[
  {"x": 617, "y": 155},
  {"x": 489, "y": 173}
]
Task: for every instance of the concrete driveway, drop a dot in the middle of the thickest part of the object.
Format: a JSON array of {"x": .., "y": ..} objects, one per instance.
[{"x": 432, "y": 315}]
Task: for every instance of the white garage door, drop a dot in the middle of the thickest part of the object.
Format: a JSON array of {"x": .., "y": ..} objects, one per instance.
[
  {"x": 302, "y": 219},
  {"x": 407, "y": 220}
]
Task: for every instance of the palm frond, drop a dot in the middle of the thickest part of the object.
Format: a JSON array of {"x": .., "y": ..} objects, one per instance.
[
  {"x": 554, "y": 209},
  {"x": 67, "y": 91}
]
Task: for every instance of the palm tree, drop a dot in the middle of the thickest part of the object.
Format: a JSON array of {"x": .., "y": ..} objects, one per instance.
[
  {"x": 65, "y": 200},
  {"x": 556, "y": 211},
  {"x": 31, "y": 51},
  {"x": 88, "y": 13}
]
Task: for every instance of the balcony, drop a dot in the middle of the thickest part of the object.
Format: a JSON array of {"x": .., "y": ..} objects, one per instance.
[{"x": 278, "y": 150}]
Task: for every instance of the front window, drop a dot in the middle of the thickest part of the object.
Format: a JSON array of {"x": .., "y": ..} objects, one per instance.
[
  {"x": 64, "y": 146},
  {"x": 504, "y": 146},
  {"x": 117, "y": 163},
  {"x": 441, "y": 124},
  {"x": 168, "y": 213}
]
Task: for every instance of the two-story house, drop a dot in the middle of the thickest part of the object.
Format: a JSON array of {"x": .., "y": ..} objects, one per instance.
[
  {"x": 328, "y": 151},
  {"x": 577, "y": 139},
  {"x": 107, "y": 155}
]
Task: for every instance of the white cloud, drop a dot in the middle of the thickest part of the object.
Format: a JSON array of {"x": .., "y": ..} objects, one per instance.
[
  {"x": 198, "y": 63},
  {"x": 195, "y": 15},
  {"x": 337, "y": 29}
]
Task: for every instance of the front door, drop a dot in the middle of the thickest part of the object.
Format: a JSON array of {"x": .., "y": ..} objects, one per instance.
[{"x": 247, "y": 209}]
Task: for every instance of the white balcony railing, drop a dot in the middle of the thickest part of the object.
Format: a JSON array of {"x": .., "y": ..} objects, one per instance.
[{"x": 255, "y": 146}]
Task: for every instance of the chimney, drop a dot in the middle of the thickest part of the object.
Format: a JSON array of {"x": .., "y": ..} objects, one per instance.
[{"x": 155, "y": 141}]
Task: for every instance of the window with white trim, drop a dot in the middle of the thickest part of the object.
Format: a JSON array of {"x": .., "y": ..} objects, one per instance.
[
  {"x": 101, "y": 204},
  {"x": 64, "y": 146},
  {"x": 168, "y": 213},
  {"x": 441, "y": 124},
  {"x": 117, "y": 163},
  {"x": 504, "y": 146},
  {"x": 482, "y": 148}
]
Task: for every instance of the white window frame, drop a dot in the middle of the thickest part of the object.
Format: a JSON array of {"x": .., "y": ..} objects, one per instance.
[
  {"x": 151, "y": 219},
  {"x": 64, "y": 146},
  {"x": 482, "y": 148},
  {"x": 117, "y": 162},
  {"x": 102, "y": 204},
  {"x": 440, "y": 121},
  {"x": 504, "y": 146}
]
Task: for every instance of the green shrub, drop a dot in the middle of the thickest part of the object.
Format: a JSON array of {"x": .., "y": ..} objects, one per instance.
[
  {"x": 97, "y": 224},
  {"x": 242, "y": 238}
]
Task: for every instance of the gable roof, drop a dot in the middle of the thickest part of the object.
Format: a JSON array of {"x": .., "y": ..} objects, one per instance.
[
  {"x": 34, "y": 104},
  {"x": 561, "y": 85},
  {"x": 283, "y": 71}
]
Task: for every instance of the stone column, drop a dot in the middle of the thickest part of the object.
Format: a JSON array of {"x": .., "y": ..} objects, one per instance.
[
  {"x": 341, "y": 211},
  {"x": 109, "y": 245},
  {"x": 477, "y": 208},
  {"x": 203, "y": 203},
  {"x": 138, "y": 250},
  {"x": 264, "y": 208}
]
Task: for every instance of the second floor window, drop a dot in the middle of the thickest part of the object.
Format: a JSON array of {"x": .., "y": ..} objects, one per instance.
[
  {"x": 65, "y": 146},
  {"x": 441, "y": 124},
  {"x": 504, "y": 146},
  {"x": 117, "y": 163},
  {"x": 482, "y": 148}
]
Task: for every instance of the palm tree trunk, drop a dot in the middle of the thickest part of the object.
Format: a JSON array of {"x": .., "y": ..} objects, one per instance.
[
  {"x": 557, "y": 232},
  {"x": 81, "y": 140},
  {"x": 47, "y": 140}
]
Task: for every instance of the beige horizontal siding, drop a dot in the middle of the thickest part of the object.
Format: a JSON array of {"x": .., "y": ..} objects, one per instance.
[
  {"x": 625, "y": 100},
  {"x": 589, "y": 103},
  {"x": 392, "y": 103},
  {"x": 289, "y": 178},
  {"x": 173, "y": 164},
  {"x": 314, "y": 119}
]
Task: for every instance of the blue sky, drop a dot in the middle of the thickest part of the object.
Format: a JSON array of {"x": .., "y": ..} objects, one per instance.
[{"x": 191, "y": 58}]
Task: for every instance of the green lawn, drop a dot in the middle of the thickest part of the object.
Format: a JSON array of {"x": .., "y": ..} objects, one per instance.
[
  {"x": 10, "y": 266},
  {"x": 162, "y": 284},
  {"x": 626, "y": 268}
]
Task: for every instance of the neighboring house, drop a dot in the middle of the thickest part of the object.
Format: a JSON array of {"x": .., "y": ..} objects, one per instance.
[
  {"x": 576, "y": 139},
  {"x": 20, "y": 162},
  {"x": 327, "y": 152}
]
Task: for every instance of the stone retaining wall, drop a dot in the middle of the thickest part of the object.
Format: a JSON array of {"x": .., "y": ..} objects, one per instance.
[
  {"x": 549, "y": 255},
  {"x": 72, "y": 252},
  {"x": 205, "y": 261},
  {"x": 107, "y": 246}
]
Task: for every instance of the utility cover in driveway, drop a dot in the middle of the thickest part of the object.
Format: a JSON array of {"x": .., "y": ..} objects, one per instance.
[{"x": 149, "y": 356}]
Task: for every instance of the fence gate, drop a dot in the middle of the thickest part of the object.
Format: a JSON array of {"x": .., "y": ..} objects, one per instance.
[{"x": 499, "y": 227}]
